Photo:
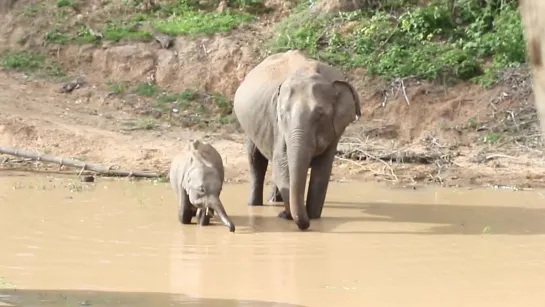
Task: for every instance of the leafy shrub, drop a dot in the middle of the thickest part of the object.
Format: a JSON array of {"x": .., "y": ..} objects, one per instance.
[{"x": 428, "y": 42}]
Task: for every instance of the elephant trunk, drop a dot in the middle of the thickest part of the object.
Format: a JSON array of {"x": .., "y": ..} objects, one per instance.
[
  {"x": 299, "y": 156},
  {"x": 217, "y": 205}
]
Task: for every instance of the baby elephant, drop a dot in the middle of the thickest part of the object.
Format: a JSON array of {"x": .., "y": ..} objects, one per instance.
[{"x": 196, "y": 175}]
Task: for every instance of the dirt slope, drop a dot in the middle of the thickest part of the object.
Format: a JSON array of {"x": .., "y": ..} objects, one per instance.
[{"x": 450, "y": 135}]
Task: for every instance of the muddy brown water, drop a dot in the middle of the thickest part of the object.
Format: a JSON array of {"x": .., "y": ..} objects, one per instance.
[{"x": 118, "y": 243}]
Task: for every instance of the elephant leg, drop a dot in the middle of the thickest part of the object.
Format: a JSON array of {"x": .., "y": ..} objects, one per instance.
[
  {"x": 276, "y": 196},
  {"x": 319, "y": 181},
  {"x": 258, "y": 168},
  {"x": 281, "y": 178},
  {"x": 203, "y": 216},
  {"x": 210, "y": 212},
  {"x": 185, "y": 208}
]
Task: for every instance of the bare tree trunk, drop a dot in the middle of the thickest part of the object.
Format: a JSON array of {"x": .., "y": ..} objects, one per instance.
[
  {"x": 102, "y": 170},
  {"x": 534, "y": 30}
]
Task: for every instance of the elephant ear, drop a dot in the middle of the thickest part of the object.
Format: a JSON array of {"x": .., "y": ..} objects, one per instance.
[
  {"x": 347, "y": 105},
  {"x": 274, "y": 99}
]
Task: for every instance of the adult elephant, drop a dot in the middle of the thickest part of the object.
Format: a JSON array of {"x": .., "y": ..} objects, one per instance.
[{"x": 294, "y": 110}]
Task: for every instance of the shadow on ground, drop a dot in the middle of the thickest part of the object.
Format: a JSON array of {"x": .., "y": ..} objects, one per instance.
[
  {"x": 452, "y": 219},
  {"x": 58, "y": 298}
]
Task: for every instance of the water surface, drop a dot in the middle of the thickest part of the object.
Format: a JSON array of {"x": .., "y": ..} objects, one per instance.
[{"x": 119, "y": 243}]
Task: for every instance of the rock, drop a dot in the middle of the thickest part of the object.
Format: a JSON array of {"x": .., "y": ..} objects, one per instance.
[
  {"x": 163, "y": 39},
  {"x": 90, "y": 178},
  {"x": 124, "y": 63},
  {"x": 68, "y": 87},
  {"x": 222, "y": 6}
]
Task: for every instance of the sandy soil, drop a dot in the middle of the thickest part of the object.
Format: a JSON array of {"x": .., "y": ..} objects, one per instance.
[{"x": 446, "y": 131}]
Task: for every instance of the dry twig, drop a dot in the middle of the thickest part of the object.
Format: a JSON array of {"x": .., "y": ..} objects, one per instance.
[
  {"x": 350, "y": 161},
  {"x": 495, "y": 156},
  {"x": 381, "y": 161}
]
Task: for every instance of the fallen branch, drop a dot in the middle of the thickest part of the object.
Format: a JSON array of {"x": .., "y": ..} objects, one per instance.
[
  {"x": 380, "y": 160},
  {"x": 495, "y": 156},
  {"x": 101, "y": 170},
  {"x": 360, "y": 165}
]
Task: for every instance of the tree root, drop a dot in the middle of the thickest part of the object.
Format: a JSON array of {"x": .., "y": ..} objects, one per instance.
[{"x": 99, "y": 169}]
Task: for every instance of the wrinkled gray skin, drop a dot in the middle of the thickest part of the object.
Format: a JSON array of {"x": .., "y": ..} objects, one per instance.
[
  {"x": 196, "y": 175},
  {"x": 293, "y": 111}
]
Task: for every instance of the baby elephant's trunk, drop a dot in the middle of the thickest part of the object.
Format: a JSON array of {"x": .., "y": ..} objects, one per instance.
[{"x": 218, "y": 207}]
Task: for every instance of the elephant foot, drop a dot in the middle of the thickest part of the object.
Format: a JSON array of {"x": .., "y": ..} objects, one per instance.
[
  {"x": 254, "y": 204},
  {"x": 285, "y": 215},
  {"x": 203, "y": 217},
  {"x": 204, "y": 220},
  {"x": 314, "y": 212},
  {"x": 186, "y": 215},
  {"x": 314, "y": 215},
  {"x": 185, "y": 218},
  {"x": 255, "y": 199}
]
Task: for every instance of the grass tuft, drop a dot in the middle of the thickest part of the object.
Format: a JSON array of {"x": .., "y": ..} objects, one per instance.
[{"x": 30, "y": 62}]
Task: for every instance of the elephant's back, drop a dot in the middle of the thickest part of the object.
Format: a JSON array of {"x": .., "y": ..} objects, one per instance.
[
  {"x": 213, "y": 158},
  {"x": 261, "y": 82},
  {"x": 177, "y": 166},
  {"x": 264, "y": 79}
]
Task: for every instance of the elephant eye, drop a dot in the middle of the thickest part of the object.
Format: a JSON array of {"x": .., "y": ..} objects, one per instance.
[
  {"x": 319, "y": 113},
  {"x": 199, "y": 189}
]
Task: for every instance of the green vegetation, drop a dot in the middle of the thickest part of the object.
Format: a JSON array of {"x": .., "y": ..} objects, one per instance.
[
  {"x": 189, "y": 108},
  {"x": 30, "y": 62},
  {"x": 193, "y": 23},
  {"x": 197, "y": 108},
  {"x": 57, "y": 37},
  {"x": 67, "y": 3},
  {"x": 32, "y": 10},
  {"x": 147, "y": 123},
  {"x": 180, "y": 17},
  {"x": 492, "y": 138},
  {"x": 147, "y": 89},
  {"x": 117, "y": 88},
  {"x": 404, "y": 39},
  {"x": 116, "y": 31}
]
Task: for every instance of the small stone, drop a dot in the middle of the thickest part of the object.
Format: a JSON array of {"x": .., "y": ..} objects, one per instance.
[
  {"x": 90, "y": 178},
  {"x": 222, "y": 6}
]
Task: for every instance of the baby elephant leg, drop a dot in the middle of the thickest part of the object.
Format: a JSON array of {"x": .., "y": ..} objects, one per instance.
[
  {"x": 203, "y": 215},
  {"x": 276, "y": 196},
  {"x": 210, "y": 212},
  {"x": 185, "y": 209}
]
